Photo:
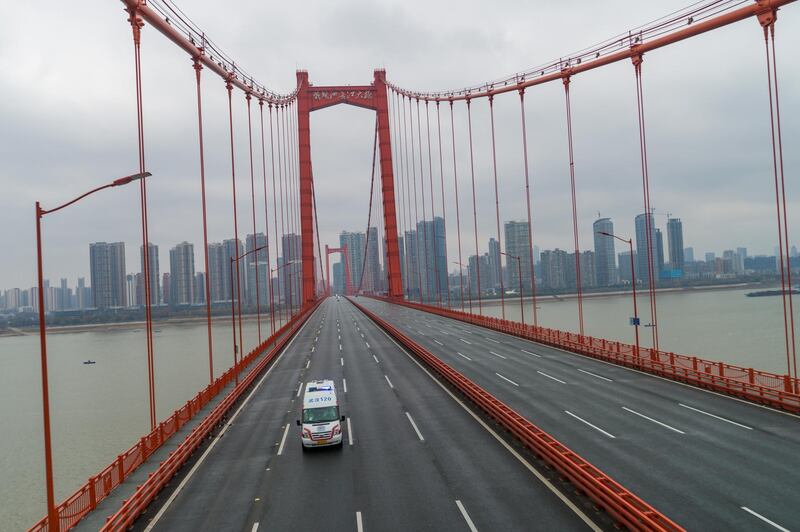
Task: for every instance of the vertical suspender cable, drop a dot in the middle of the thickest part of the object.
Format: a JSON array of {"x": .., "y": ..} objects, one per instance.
[
  {"x": 409, "y": 229},
  {"x": 648, "y": 223},
  {"x": 444, "y": 212},
  {"x": 369, "y": 211},
  {"x": 290, "y": 210},
  {"x": 401, "y": 197},
  {"x": 458, "y": 214},
  {"x": 136, "y": 25},
  {"x": 229, "y": 86},
  {"x": 266, "y": 218},
  {"x": 438, "y": 283},
  {"x": 274, "y": 211},
  {"x": 574, "y": 207},
  {"x": 497, "y": 210},
  {"x": 295, "y": 203},
  {"x": 528, "y": 202},
  {"x": 254, "y": 258},
  {"x": 474, "y": 210},
  {"x": 428, "y": 289},
  {"x": 418, "y": 261},
  {"x": 316, "y": 226},
  {"x": 197, "y": 68},
  {"x": 282, "y": 273}
]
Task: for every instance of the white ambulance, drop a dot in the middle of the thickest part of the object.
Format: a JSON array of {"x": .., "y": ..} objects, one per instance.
[{"x": 321, "y": 424}]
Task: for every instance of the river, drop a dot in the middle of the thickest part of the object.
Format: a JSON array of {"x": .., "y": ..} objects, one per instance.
[{"x": 99, "y": 410}]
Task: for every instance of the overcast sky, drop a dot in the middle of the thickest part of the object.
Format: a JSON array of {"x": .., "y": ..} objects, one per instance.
[{"x": 68, "y": 123}]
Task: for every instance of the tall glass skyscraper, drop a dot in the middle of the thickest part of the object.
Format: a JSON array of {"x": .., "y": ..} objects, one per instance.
[
  {"x": 642, "y": 268},
  {"x": 605, "y": 264},
  {"x": 675, "y": 241}
]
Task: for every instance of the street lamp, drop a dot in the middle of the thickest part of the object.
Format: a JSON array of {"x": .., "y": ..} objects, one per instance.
[
  {"x": 635, "y": 319},
  {"x": 519, "y": 275},
  {"x": 469, "y": 291},
  {"x": 233, "y": 312},
  {"x": 52, "y": 515}
]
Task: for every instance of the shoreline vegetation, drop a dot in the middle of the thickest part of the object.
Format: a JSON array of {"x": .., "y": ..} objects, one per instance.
[{"x": 493, "y": 301}]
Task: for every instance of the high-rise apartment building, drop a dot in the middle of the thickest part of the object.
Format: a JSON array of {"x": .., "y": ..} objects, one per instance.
[
  {"x": 181, "y": 278},
  {"x": 155, "y": 296},
  {"x": 217, "y": 272},
  {"x": 643, "y": 266},
  {"x": 233, "y": 248},
  {"x": 605, "y": 265},
  {"x": 555, "y": 268},
  {"x": 355, "y": 255},
  {"x": 256, "y": 262},
  {"x": 107, "y": 270},
  {"x": 478, "y": 268},
  {"x": 432, "y": 265},
  {"x": 688, "y": 254},
  {"x": 372, "y": 274},
  {"x": 495, "y": 265},
  {"x": 290, "y": 276},
  {"x": 675, "y": 240},
  {"x": 518, "y": 244}
]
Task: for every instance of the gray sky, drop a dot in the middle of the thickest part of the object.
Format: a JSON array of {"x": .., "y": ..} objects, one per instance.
[{"x": 67, "y": 120}]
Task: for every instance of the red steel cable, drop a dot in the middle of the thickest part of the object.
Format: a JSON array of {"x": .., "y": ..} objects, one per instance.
[
  {"x": 293, "y": 210},
  {"x": 497, "y": 210},
  {"x": 369, "y": 211},
  {"x": 136, "y": 25},
  {"x": 274, "y": 209},
  {"x": 424, "y": 215},
  {"x": 444, "y": 211},
  {"x": 474, "y": 209},
  {"x": 416, "y": 211},
  {"x": 637, "y": 63},
  {"x": 409, "y": 230},
  {"x": 229, "y": 86},
  {"x": 266, "y": 218},
  {"x": 528, "y": 202},
  {"x": 783, "y": 200},
  {"x": 298, "y": 281},
  {"x": 401, "y": 197},
  {"x": 458, "y": 214},
  {"x": 198, "y": 68},
  {"x": 248, "y": 98},
  {"x": 574, "y": 207},
  {"x": 433, "y": 206},
  {"x": 316, "y": 225},
  {"x": 282, "y": 272}
]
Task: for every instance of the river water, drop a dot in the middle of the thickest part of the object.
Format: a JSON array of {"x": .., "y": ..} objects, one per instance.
[{"x": 99, "y": 410}]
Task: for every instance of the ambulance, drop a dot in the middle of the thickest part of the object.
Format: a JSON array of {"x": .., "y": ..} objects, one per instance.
[{"x": 321, "y": 424}]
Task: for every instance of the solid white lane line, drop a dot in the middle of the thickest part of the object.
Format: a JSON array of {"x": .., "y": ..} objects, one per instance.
[
  {"x": 283, "y": 440},
  {"x": 344, "y": 384},
  {"x": 221, "y": 433},
  {"x": 464, "y": 513},
  {"x": 255, "y": 527},
  {"x": 506, "y": 379},
  {"x": 595, "y": 427},
  {"x": 390, "y": 382},
  {"x": 549, "y": 376},
  {"x": 300, "y": 389},
  {"x": 529, "y": 353},
  {"x": 715, "y": 417},
  {"x": 492, "y": 340},
  {"x": 376, "y": 359},
  {"x": 465, "y": 356},
  {"x": 359, "y": 523},
  {"x": 756, "y": 514},
  {"x": 595, "y": 375},
  {"x": 465, "y": 341},
  {"x": 500, "y": 440},
  {"x": 653, "y": 420},
  {"x": 349, "y": 432},
  {"x": 438, "y": 342},
  {"x": 498, "y": 355},
  {"x": 419, "y": 434}
]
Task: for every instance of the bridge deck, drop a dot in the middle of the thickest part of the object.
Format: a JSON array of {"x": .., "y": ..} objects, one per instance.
[
  {"x": 697, "y": 456},
  {"x": 396, "y": 475}
]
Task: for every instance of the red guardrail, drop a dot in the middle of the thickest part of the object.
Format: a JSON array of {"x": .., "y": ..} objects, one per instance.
[
  {"x": 621, "y": 504},
  {"x": 780, "y": 391},
  {"x": 97, "y": 488}
]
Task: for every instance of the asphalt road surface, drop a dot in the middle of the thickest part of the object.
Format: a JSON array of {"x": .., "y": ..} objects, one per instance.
[
  {"x": 413, "y": 457},
  {"x": 707, "y": 461}
]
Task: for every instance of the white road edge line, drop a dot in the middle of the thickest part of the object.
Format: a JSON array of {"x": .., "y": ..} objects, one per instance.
[
  {"x": 349, "y": 432},
  {"x": 529, "y": 353},
  {"x": 465, "y": 356},
  {"x": 568, "y": 503},
  {"x": 506, "y": 379},
  {"x": 756, "y": 514},
  {"x": 202, "y": 458},
  {"x": 549, "y": 376},
  {"x": 466, "y": 516},
  {"x": 715, "y": 417},
  {"x": 419, "y": 434},
  {"x": 359, "y": 523},
  {"x": 390, "y": 382},
  {"x": 595, "y": 375},
  {"x": 498, "y": 355},
  {"x": 595, "y": 427},
  {"x": 283, "y": 440},
  {"x": 653, "y": 420}
]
